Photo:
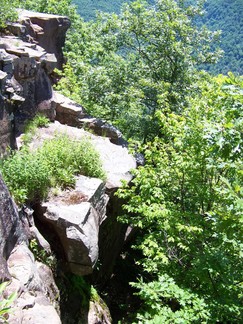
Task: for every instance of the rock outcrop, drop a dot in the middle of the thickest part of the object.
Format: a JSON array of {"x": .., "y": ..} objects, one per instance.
[
  {"x": 83, "y": 220},
  {"x": 76, "y": 215},
  {"x": 26, "y": 63},
  {"x": 70, "y": 113},
  {"x": 33, "y": 281},
  {"x": 38, "y": 295},
  {"x": 46, "y": 30}
]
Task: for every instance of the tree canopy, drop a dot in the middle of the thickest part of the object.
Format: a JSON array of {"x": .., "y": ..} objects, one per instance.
[
  {"x": 187, "y": 202},
  {"x": 219, "y": 15},
  {"x": 122, "y": 68}
]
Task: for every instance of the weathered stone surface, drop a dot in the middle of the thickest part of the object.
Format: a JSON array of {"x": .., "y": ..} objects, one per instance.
[
  {"x": 102, "y": 128},
  {"x": 26, "y": 82},
  {"x": 47, "y": 30},
  {"x": 6, "y": 60},
  {"x": 49, "y": 62},
  {"x": 3, "y": 77},
  {"x": 34, "y": 283},
  {"x": 98, "y": 313},
  {"x": 68, "y": 112},
  {"x": 10, "y": 227},
  {"x": 16, "y": 28},
  {"x": 28, "y": 60},
  {"x": 7, "y": 134},
  {"x": 76, "y": 216},
  {"x": 116, "y": 160},
  {"x": 32, "y": 232},
  {"x": 77, "y": 228},
  {"x": 94, "y": 191}
]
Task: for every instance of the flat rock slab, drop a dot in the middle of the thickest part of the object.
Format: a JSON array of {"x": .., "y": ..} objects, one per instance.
[{"x": 116, "y": 160}]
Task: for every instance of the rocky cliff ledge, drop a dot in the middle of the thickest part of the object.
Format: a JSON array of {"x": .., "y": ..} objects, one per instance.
[{"x": 69, "y": 222}]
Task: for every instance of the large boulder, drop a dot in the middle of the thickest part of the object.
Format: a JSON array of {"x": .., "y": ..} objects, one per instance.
[
  {"x": 27, "y": 61},
  {"x": 75, "y": 215},
  {"x": 68, "y": 112},
  {"x": 32, "y": 281},
  {"x": 27, "y": 89}
]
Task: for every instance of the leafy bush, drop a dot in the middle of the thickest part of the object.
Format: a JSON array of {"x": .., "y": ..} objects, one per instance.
[
  {"x": 26, "y": 176},
  {"x": 5, "y": 303},
  {"x": 30, "y": 174},
  {"x": 188, "y": 202},
  {"x": 123, "y": 68},
  {"x": 7, "y": 12},
  {"x": 66, "y": 157},
  {"x": 42, "y": 255}
]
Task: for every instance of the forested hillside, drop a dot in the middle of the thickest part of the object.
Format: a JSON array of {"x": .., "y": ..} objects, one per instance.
[
  {"x": 225, "y": 15},
  {"x": 140, "y": 71}
]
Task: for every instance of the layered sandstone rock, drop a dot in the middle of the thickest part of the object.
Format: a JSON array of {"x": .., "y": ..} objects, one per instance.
[
  {"x": 47, "y": 30},
  {"x": 37, "y": 292},
  {"x": 26, "y": 63},
  {"x": 70, "y": 113},
  {"x": 75, "y": 215}
]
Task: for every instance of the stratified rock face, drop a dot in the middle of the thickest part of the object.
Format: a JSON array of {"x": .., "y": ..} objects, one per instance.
[
  {"x": 26, "y": 88},
  {"x": 47, "y": 30},
  {"x": 68, "y": 112},
  {"x": 10, "y": 228},
  {"x": 98, "y": 313},
  {"x": 26, "y": 63}
]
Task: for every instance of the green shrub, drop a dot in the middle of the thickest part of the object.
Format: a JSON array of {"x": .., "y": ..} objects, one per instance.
[
  {"x": 5, "y": 303},
  {"x": 42, "y": 255},
  {"x": 66, "y": 157},
  {"x": 7, "y": 12},
  {"x": 29, "y": 175},
  {"x": 26, "y": 175}
]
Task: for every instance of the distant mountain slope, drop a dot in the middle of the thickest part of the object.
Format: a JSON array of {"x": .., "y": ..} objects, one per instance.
[
  {"x": 88, "y": 8},
  {"x": 225, "y": 15}
]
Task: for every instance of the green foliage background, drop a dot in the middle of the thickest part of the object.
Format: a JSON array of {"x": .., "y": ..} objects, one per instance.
[
  {"x": 123, "y": 68},
  {"x": 187, "y": 201},
  {"x": 219, "y": 15},
  {"x": 140, "y": 70}
]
